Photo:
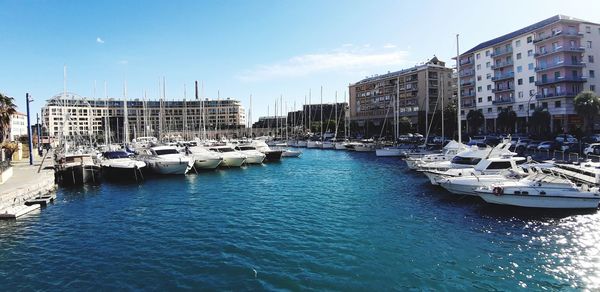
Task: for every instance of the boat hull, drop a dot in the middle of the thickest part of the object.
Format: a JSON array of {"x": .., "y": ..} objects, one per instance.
[
  {"x": 207, "y": 163},
  {"x": 122, "y": 173},
  {"x": 389, "y": 152},
  {"x": 233, "y": 161},
  {"x": 79, "y": 175},
  {"x": 161, "y": 167},
  {"x": 273, "y": 155},
  {"x": 291, "y": 153},
  {"x": 535, "y": 201}
]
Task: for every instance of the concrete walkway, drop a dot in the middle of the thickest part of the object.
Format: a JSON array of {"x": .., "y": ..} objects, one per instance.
[{"x": 25, "y": 184}]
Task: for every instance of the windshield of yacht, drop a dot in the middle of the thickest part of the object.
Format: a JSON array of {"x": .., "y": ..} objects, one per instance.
[
  {"x": 245, "y": 148},
  {"x": 166, "y": 151},
  {"x": 222, "y": 150},
  {"x": 465, "y": 160}
]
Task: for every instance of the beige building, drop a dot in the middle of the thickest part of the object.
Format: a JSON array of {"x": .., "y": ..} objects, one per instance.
[
  {"x": 76, "y": 116},
  {"x": 18, "y": 126},
  {"x": 420, "y": 91}
]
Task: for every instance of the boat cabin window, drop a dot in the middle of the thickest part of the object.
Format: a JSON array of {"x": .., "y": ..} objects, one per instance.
[
  {"x": 245, "y": 148},
  {"x": 499, "y": 165},
  {"x": 166, "y": 151},
  {"x": 222, "y": 150},
  {"x": 465, "y": 160}
]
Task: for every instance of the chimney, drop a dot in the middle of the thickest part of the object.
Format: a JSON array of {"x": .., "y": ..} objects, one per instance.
[{"x": 196, "y": 86}]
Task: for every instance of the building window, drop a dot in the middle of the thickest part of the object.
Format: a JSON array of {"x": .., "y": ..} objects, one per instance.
[
  {"x": 519, "y": 56},
  {"x": 557, "y": 104},
  {"x": 520, "y": 107},
  {"x": 529, "y": 39},
  {"x": 520, "y": 94},
  {"x": 593, "y": 88},
  {"x": 489, "y": 87},
  {"x": 529, "y": 53},
  {"x": 487, "y": 53},
  {"x": 488, "y": 76},
  {"x": 478, "y": 88},
  {"x": 478, "y": 66},
  {"x": 520, "y": 81},
  {"x": 478, "y": 77},
  {"x": 532, "y": 106},
  {"x": 518, "y": 43},
  {"x": 489, "y": 98},
  {"x": 588, "y": 29},
  {"x": 530, "y": 66},
  {"x": 590, "y": 59},
  {"x": 519, "y": 69},
  {"x": 489, "y": 109},
  {"x": 531, "y": 92},
  {"x": 531, "y": 79},
  {"x": 487, "y": 64},
  {"x": 479, "y": 100},
  {"x": 592, "y": 74},
  {"x": 589, "y": 44},
  {"x": 477, "y": 56}
]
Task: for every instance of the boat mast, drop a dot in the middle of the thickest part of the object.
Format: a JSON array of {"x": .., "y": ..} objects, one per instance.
[
  {"x": 396, "y": 111},
  {"x": 125, "y": 116},
  {"x": 458, "y": 90},
  {"x": 250, "y": 117},
  {"x": 442, "y": 94},
  {"x": 106, "y": 118},
  {"x": 336, "y": 116},
  {"x": 321, "y": 113},
  {"x": 309, "y": 110}
]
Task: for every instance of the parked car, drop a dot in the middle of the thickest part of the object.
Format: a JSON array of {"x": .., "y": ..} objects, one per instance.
[
  {"x": 548, "y": 146},
  {"x": 522, "y": 143},
  {"x": 532, "y": 145},
  {"x": 565, "y": 138},
  {"x": 593, "y": 149}
]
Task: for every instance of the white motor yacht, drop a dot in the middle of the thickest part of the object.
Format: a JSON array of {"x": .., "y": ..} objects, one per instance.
[
  {"x": 314, "y": 144},
  {"x": 166, "y": 160},
  {"x": 448, "y": 152},
  {"x": 253, "y": 156},
  {"x": 541, "y": 190},
  {"x": 291, "y": 153},
  {"x": 204, "y": 158},
  {"x": 231, "y": 158},
  {"x": 487, "y": 165},
  {"x": 120, "y": 165},
  {"x": 301, "y": 143},
  {"x": 271, "y": 154},
  {"x": 328, "y": 144}
]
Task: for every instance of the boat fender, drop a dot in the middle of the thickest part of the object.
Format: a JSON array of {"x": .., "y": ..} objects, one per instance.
[{"x": 498, "y": 191}]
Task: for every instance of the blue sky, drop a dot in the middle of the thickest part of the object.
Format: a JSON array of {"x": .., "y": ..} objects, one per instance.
[{"x": 238, "y": 48}]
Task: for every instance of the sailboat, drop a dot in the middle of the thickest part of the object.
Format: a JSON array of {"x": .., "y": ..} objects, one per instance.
[{"x": 395, "y": 150}]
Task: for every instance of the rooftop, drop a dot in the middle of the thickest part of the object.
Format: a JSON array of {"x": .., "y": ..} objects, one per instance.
[
  {"x": 434, "y": 62},
  {"x": 525, "y": 30}
]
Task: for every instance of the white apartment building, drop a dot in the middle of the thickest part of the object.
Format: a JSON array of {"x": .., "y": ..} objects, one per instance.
[
  {"x": 76, "y": 116},
  {"x": 18, "y": 126},
  {"x": 544, "y": 65}
]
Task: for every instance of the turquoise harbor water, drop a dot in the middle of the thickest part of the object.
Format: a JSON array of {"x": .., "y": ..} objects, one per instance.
[{"x": 329, "y": 220}]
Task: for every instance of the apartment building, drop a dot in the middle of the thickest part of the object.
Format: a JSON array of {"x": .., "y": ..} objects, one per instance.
[
  {"x": 17, "y": 127},
  {"x": 543, "y": 65},
  {"x": 420, "y": 91},
  {"x": 74, "y": 115}
]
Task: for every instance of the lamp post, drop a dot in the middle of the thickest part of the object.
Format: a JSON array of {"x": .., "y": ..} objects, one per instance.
[
  {"x": 30, "y": 138},
  {"x": 531, "y": 95}
]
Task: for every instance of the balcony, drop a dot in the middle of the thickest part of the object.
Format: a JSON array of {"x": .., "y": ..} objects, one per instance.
[
  {"x": 559, "y": 50},
  {"x": 501, "y": 77},
  {"x": 558, "y": 65},
  {"x": 501, "y": 52},
  {"x": 503, "y": 89},
  {"x": 557, "y": 34},
  {"x": 467, "y": 83},
  {"x": 502, "y": 65},
  {"x": 468, "y": 104},
  {"x": 468, "y": 94},
  {"x": 467, "y": 73},
  {"x": 466, "y": 62},
  {"x": 559, "y": 79},
  {"x": 505, "y": 100},
  {"x": 559, "y": 94}
]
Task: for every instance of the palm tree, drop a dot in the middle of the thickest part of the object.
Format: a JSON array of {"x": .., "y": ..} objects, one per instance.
[
  {"x": 475, "y": 119},
  {"x": 587, "y": 106},
  {"x": 540, "y": 121},
  {"x": 506, "y": 120},
  {"x": 7, "y": 109}
]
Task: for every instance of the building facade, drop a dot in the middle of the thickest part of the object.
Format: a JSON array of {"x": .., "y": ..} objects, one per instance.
[
  {"x": 420, "y": 92},
  {"x": 77, "y": 116},
  {"x": 18, "y": 126},
  {"x": 544, "y": 65}
]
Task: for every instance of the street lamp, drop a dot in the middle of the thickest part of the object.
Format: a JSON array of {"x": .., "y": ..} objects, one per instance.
[
  {"x": 531, "y": 95},
  {"x": 30, "y": 138}
]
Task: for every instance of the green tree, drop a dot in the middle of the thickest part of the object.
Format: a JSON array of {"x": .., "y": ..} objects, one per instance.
[
  {"x": 404, "y": 125},
  {"x": 587, "y": 105},
  {"x": 7, "y": 109},
  {"x": 506, "y": 120},
  {"x": 539, "y": 122},
  {"x": 475, "y": 120},
  {"x": 450, "y": 121}
]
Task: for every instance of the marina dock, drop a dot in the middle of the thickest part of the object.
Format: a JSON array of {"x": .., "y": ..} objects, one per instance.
[{"x": 29, "y": 188}]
